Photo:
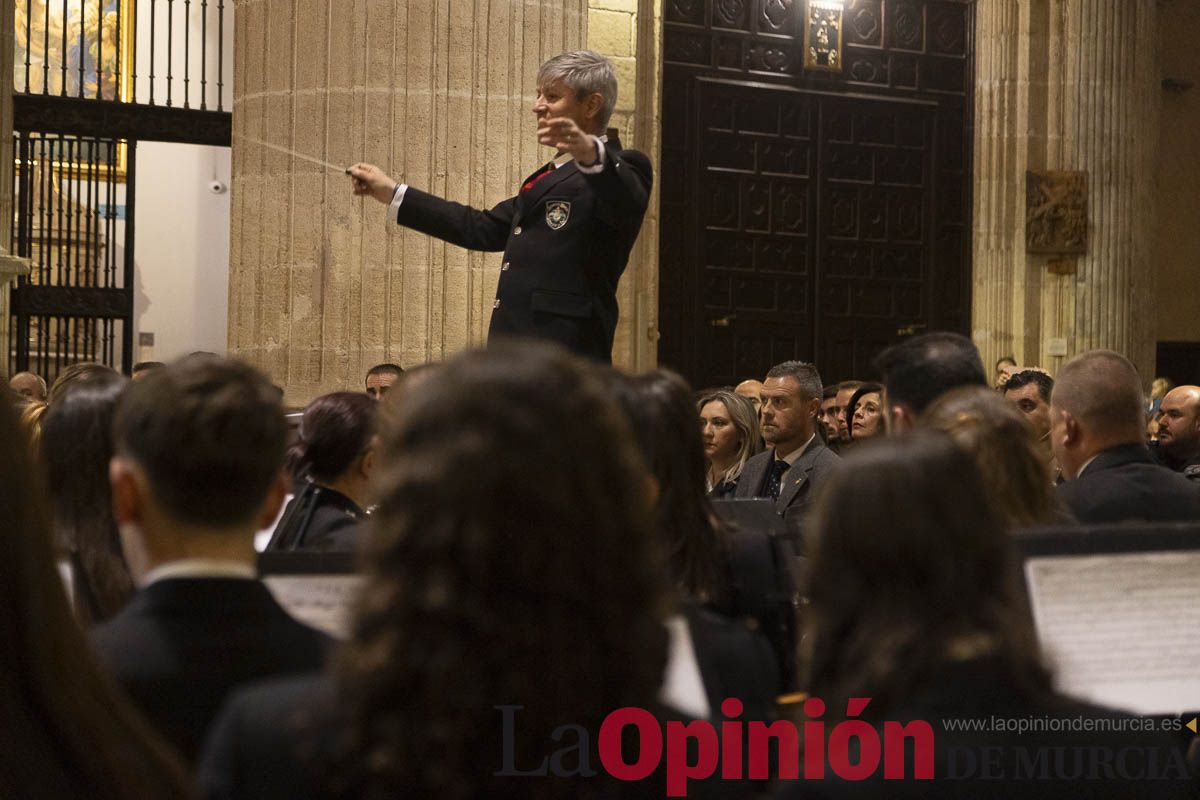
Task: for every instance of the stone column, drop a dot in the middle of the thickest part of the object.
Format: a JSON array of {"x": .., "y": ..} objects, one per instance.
[
  {"x": 437, "y": 92},
  {"x": 10, "y": 267},
  {"x": 1067, "y": 85}
]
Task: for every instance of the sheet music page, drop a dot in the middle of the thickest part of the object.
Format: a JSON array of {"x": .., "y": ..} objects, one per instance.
[
  {"x": 320, "y": 601},
  {"x": 1121, "y": 630}
]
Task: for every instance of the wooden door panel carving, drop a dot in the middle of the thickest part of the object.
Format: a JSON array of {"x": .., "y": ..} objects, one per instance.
[{"x": 804, "y": 215}]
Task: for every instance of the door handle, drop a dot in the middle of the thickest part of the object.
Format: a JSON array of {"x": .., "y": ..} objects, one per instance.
[{"x": 722, "y": 322}]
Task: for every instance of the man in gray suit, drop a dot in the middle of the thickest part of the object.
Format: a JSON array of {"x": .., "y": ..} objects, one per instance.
[{"x": 796, "y": 460}]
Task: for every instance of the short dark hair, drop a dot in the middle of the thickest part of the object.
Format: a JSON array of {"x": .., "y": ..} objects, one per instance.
[
  {"x": 1025, "y": 377},
  {"x": 209, "y": 433},
  {"x": 144, "y": 365},
  {"x": 829, "y": 392},
  {"x": 851, "y": 384},
  {"x": 803, "y": 373},
  {"x": 917, "y": 371},
  {"x": 386, "y": 369}
]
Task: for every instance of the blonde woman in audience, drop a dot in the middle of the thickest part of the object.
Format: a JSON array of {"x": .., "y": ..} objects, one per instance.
[
  {"x": 67, "y": 733},
  {"x": 994, "y": 432},
  {"x": 729, "y": 428},
  {"x": 32, "y": 416}
]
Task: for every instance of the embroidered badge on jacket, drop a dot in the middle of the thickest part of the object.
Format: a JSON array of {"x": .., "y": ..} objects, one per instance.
[{"x": 557, "y": 213}]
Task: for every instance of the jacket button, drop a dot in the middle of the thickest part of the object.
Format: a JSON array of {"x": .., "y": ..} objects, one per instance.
[
  {"x": 504, "y": 267},
  {"x": 517, "y": 231},
  {"x": 496, "y": 303}
]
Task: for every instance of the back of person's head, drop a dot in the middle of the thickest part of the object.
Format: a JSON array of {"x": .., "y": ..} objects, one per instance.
[
  {"x": 335, "y": 430},
  {"x": 32, "y": 417},
  {"x": 76, "y": 447},
  {"x": 1101, "y": 391},
  {"x": 911, "y": 567},
  {"x": 209, "y": 434},
  {"x": 510, "y": 561},
  {"x": 666, "y": 426},
  {"x": 67, "y": 731},
  {"x": 142, "y": 368},
  {"x": 996, "y": 434},
  {"x": 82, "y": 372},
  {"x": 1026, "y": 377},
  {"x": 918, "y": 370}
]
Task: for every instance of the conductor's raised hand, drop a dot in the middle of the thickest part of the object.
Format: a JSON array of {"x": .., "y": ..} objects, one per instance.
[
  {"x": 369, "y": 179},
  {"x": 564, "y": 134}
]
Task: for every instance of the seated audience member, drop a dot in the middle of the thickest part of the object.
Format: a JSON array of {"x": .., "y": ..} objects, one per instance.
[
  {"x": 845, "y": 391},
  {"x": 796, "y": 462},
  {"x": 144, "y": 368},
  {"x": 498, "y": 575},
  {"x": 197, "y": 470},
  {"x": 752, "y": 391},
  {"x": 1030, "y": 391},
  {"x": 382, "y": 377},
  {"x": 1096, "y": 422},
  {"x": 68, "y": 733},
  {"x": 82, "y": 372},
  {"x": 919, "y": 370},
  {"x": 865, "y": 411},
  {"x": 916, "y": 606},
  {"x": 709, "y": 564},
  {"x": 729, "y": 430},
  {"x": 77, "y": 446},
  {"x": 1158, "y": 390},
  {"x": 827, "y": 417},
  {"x": 1002, "y": 442},
  {"x": 1179, "y": 431},
  {"x": 28, "y": 385},
  {"x": 1005, "y": 367},
  {"x": 333, "y": 460}
]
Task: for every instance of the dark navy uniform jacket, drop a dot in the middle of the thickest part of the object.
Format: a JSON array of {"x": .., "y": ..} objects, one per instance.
[{"x": 566, "y": 240}]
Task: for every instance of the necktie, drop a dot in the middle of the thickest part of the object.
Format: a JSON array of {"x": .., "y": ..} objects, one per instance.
[
  {"x": 537, "y": 176},
  {"x": 771, "y": 490}
]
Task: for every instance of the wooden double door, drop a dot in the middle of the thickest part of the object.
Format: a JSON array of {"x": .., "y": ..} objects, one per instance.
[{"x": 802, "y": 219}]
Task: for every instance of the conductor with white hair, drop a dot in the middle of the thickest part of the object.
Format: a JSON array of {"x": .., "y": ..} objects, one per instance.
[{"x": 567, "y": 233}]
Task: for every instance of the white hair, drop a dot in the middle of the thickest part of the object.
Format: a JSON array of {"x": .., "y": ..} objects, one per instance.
[{"x": 584, "y": 72}]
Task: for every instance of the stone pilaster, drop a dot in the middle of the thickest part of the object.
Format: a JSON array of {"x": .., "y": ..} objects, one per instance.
[
  {"x": 438, "y": 93},
  {"x": 9, "y": 269},
  {"x": 1070, "y": 85}
]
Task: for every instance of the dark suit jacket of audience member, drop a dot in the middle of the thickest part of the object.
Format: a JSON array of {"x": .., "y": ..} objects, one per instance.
[
  {"x": 979, "y": 690},
  {"x": 1123, "y": 484},
  {"x": 566, "y": 241},
  {"x": 319, "y": 518},
  {"x": 280, "y": 740},
  {"x": 796, "y": 486},
  {"x": 734, "y": 661},
  {"x": 182, "y": 644}
]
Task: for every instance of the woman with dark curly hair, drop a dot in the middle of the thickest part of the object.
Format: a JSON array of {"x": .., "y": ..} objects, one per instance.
[
  {"x": 67, "y": 731},
  {"x": 76, "y": 447},
  {"x": 332, "y": 461},
  {"x": 510, "y": 562}
]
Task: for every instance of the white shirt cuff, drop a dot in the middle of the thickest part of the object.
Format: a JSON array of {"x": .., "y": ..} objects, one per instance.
[
  {"x": 599, "y": 165},
  {"x": 397, "y": 199}
]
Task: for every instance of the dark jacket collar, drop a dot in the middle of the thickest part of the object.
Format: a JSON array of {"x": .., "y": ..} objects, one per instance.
[{"x": 1134, "y": 453}]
